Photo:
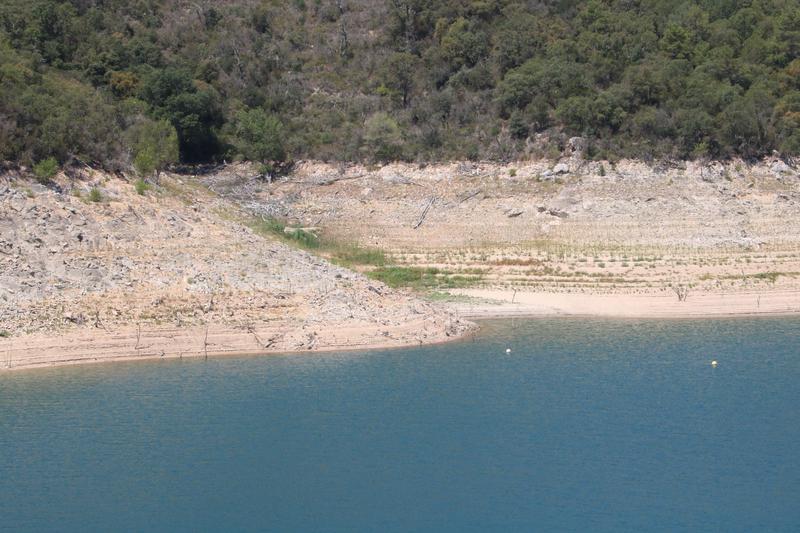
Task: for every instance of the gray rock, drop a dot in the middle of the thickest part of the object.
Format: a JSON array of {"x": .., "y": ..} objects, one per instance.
[
  {"x": 779, "y": 167},
  {"x": 561, "y": 168},
  {"x": 576, "y": 146},
  {"x": 396, "y": 179}
]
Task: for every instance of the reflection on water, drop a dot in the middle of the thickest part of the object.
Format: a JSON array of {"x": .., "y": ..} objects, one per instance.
[{"x": 586, "y": 425}]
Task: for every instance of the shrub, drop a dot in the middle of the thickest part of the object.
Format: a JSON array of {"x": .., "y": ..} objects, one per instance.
[
  {"x": 300, "y": 237},
  {"x": 383, "y": 137},
  {"x": 95, "y": 195},
  {"x": 258, "y": 136},
  {"x": 141, "y": 186},
  {"x": 155, "y": 145},
  {"x": 45, "y": 169}
]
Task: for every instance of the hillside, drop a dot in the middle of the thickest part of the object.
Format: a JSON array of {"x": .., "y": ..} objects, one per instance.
[
  {"x": 154, "y": 82},
  {"x": 569, "y": 236},
  {"x": 91, "y": 270}
]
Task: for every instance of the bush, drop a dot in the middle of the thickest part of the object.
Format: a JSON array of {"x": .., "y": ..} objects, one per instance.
[
  {"x": 258, "y": 136},
  {"x": 141, "y": 186},
  {"x": 95, "y": 195},
  {"x": 46, "y": 169},
  {"x": 383, "y": 138},
  {"x": 300, "y": 237},
  {"x": 155, "y": 146}
]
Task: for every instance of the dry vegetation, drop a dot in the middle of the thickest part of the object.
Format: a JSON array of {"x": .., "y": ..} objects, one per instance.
[{"x": 635, "y": 229}]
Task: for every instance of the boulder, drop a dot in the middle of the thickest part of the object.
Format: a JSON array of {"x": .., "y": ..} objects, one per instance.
[
  {"x": 396, "y": 179},
  {"x": 576, "y": 146},
  {"x": 561, "y": 168},
  {"x": 779, "y": 167}
]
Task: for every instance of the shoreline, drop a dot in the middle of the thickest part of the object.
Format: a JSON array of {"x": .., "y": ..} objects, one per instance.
[
  {"x": 36, "y": 351},
  {"x": 87, "y": 346},
  {"x": 493, "y": 303}
]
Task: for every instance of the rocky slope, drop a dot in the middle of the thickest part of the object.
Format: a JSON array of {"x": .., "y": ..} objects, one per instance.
[
  {"x": 559, "y": 226},
  {"x": 178, "y": 259}
]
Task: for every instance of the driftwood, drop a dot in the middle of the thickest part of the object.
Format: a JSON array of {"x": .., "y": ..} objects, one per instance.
[
  {"x": 331, "y": 181},
  {"x": 467, "y": 196},
  {"x": 425, "y": 212}
]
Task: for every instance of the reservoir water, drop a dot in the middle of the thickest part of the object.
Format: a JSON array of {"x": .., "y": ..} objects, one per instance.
[{"x": 587, "y": 425}]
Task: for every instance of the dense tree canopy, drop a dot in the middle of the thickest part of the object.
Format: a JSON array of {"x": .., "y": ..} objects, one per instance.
[{"x": 146, "y": 82}]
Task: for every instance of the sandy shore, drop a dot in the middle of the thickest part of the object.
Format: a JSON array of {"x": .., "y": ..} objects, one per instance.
[
  {"x": 96, "y": 345},
  {"x": 126, "y": 344},
  {"x": 488, "y": 303}
]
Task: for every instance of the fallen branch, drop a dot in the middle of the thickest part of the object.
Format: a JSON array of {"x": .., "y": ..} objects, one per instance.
[
  {"x": 331, "y": 181},
  {"x": 205, "y": 343},
  {"x": 474, "y": 193},
  {"x": 425, "y": 212}
]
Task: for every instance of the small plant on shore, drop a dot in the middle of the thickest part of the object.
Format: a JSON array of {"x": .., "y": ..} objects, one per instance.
[
  {"x": 512, "y": 172},
  {"x": 301, "y": 237},
  {"x": 394, "y": 276},
  {"x": 141, "y": 186},
  {"x": 421, "y": 278},
  {"x": 602, "y": 169},
  {"x": 772, "y": 277},
  {"x": 355, "y": 255},
  {"x": 304, "y": 238},
  {"x": 45, "y": 170},
  {"x": 4, "y": 333},
  {"x": 95, "y": 195}
]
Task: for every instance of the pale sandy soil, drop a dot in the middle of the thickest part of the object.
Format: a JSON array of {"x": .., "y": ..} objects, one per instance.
[
  {"x": 180, "y": 272},
  {"x": 600, "y": 239},
  {"x": 126, "y": 343},
  {"x": 139, "y": 276},
  {"x": 487, "y": 303}
]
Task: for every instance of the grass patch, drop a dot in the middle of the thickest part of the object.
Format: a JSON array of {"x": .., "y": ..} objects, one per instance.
[
  {"x": 446, "y": 297},
  {"x": 421, "y": 278},
  {"x": 355, "y": 255},
  {"x": 346, "y": 255},
  {"x": 95, "y": 195},
  {"x": 275, "y": 227}
]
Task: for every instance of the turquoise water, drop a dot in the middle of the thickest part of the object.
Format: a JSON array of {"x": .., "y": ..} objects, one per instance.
[{"x": 588, "y": 425}]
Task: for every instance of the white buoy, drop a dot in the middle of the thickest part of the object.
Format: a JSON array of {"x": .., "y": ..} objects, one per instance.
[
  {"x": 714, "y": 363},
  {"x": 508, "y": 350}
]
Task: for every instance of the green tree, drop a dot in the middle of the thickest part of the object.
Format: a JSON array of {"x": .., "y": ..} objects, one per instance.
[
  {"x": 398, "y": 74},
  {"x": 194, "y": 113},
  {"x": 383, "y": 138},
  {"x": 155, "y": 146},
  {"x": 463, "y": 44},
  {"x": 258, "y": 136}
]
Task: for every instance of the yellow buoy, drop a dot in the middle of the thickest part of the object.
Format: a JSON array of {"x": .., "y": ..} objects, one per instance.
[
  {"x": 508, "y": 350},
  {"x": 714, "y": 363}
]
